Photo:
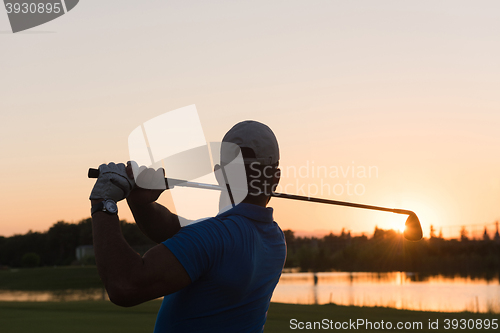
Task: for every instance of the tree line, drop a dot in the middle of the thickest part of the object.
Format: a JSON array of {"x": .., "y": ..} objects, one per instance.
[
  {"x": 57, "y": 246},
  {"x": 385, "y": 250}
]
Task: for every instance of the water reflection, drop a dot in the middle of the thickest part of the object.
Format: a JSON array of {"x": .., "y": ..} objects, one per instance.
[
  {"x": 396, "y": 289},
  {"x": 54, "y": 296}
]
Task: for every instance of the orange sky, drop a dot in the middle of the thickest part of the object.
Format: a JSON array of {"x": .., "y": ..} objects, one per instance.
[{"x": 411, "y": 89}]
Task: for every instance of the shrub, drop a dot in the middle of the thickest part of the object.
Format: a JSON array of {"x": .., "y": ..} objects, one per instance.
[{"x": 30, "y": 259}]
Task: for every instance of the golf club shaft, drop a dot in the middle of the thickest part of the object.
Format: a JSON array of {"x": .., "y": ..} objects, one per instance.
[
  {"x": 94, "y": 173},
  {"x": 340, "y": 203}
]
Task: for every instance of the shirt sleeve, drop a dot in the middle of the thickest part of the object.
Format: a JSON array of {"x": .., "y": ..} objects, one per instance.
[{"x": 196, "y": 247}]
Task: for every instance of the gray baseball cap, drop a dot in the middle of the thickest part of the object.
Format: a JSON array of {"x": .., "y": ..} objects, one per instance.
[{"x": 254, "y": 135}]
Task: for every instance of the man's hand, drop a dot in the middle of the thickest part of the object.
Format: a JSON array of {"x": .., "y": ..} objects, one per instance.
[
  {"x": 149, "y": 184},
  {"x": 113, "y": 183}
]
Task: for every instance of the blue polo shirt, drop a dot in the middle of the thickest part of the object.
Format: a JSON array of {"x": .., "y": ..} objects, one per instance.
[{"x": 234, "y": 261}]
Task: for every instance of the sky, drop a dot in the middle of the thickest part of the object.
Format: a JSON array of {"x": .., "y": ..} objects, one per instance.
[{"x": 408, "y": 90}]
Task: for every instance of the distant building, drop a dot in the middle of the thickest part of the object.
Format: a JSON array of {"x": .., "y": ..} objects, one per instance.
[{"x": 84, "y": 251}]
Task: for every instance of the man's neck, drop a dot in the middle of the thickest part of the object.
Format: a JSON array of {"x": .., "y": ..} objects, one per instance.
[{"x": 260, "y": 200}]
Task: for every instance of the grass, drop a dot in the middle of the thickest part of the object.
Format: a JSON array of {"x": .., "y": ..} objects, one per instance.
[
  {"x": 76, "y": 317},
  {"x": 280, "y": 315},
  {"x": 50, "y": 278},
  {"x": 102, "y": 316}
]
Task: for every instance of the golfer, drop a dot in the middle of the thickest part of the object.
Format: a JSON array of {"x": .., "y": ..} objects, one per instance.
[{"x": 217, "y": 275}]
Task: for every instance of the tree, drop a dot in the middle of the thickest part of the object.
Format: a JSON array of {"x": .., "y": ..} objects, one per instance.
[
  {"x": 464, "y": 234},
  {"x": 62, "y": 241},
  {"x": 486, "y": 237},
  {"x": 289, "y": 236},
  {"x": 433, "y": 232},
  {"x": 30, "y": 259}
]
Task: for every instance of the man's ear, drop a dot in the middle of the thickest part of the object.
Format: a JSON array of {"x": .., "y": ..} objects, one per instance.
[
  {"x": 276, "y": 177},
  {"x": 274, "y": 183}
]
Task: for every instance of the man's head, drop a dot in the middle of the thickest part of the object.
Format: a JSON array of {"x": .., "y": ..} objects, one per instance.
[{"x": 260, "y": 151}]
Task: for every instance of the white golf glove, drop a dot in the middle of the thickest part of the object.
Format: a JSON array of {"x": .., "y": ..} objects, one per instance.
[{"x": 113, "y": 183}]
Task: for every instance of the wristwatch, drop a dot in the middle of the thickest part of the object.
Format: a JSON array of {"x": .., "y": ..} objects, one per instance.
[{"x": 107, "y": 206}]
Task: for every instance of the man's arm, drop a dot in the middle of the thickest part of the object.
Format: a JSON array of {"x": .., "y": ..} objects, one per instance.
[
  {"x": 154, "y": 220},
  {"x": 128, "y": 278}
]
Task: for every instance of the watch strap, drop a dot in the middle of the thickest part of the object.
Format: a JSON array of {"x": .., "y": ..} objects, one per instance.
[
  {"x": 107, "y": 206},
  {"x": 98, "y": 207}
]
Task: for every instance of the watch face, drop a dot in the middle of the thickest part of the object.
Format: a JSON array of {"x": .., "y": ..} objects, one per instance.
[{"x": 110, "y": 206}]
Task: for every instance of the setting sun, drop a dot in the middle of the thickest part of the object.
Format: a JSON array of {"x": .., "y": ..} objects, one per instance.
[{"x": 427, "y": 214}]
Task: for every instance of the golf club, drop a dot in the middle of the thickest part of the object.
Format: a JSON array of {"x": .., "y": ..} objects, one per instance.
[{"x": 412, "y": 232}]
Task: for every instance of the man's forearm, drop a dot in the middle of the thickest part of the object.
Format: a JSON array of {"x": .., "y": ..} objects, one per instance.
[
  {"x": 129, "y": 278},
  {"x": 155, "y": 220},
  {"x": 115, "y": 259}
]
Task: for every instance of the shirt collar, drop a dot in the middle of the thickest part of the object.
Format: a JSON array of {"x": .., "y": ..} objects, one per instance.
[{"x": 253, "y": 212}]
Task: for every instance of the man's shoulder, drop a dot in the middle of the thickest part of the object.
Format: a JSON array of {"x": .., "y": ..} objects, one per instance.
[
  {"x": 217, "y": 224},
  {"x": 231, "y": 225}
]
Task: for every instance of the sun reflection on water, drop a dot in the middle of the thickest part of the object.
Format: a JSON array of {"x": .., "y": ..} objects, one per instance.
[{"x": 400, "y": 290}]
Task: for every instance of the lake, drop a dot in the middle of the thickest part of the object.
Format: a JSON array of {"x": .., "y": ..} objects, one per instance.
[{"x": 398, "y": 290}]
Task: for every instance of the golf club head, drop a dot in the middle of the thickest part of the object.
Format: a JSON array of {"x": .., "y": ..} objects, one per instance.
[{"x": 413, "y": 229}]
